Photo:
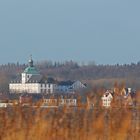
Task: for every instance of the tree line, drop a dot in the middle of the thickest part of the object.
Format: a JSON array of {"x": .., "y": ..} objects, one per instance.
[{"x": 70, "y": 70}]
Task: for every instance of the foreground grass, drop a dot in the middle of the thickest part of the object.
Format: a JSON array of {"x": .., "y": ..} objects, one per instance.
[{"x": 69, "y": 124}]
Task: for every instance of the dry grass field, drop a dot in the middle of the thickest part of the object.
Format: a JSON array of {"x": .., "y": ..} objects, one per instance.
[{"x": 69, "y": 124}]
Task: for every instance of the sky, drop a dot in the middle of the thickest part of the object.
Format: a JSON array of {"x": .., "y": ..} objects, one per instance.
[{"x": 104, "y": 31}]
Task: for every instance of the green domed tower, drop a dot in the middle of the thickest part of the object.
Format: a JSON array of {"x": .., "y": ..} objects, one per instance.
[{"x": 29, "y": 71}]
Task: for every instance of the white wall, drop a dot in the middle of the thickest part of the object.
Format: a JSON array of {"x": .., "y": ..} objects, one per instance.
[
  {"x": 32, "y": 88},
  {"x": 106, "y": 100},
  {"x": 27, "y": 87}
]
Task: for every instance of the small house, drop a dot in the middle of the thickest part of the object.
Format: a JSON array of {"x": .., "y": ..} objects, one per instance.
[{"x": 107, "y": 99}]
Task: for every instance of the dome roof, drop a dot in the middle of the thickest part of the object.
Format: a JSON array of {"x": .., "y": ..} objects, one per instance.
[{"x": 31, "y": 70}]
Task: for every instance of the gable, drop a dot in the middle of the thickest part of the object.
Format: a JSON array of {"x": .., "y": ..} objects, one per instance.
[{"x": 78, "y": 84}]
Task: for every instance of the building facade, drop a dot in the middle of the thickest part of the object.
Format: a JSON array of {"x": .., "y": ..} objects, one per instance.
[
  {"x": 60, "y": 102},
  {"x": 31, "y": 81},
  {"x": 107, "y": 99}
]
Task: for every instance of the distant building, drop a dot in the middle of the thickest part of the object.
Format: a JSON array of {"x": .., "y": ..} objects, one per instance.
[
  {"x": 129, "y": 97},
  {"x": 107, "y": 99},
  {"x": 70, "y": 86},
  {"x": 126, "y": 97},
  {"x": 31, "y": 81},
  {"x": 60, "y": 100}
]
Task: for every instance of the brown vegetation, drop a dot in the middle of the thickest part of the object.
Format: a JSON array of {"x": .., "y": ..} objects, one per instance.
[
  {"x": 116, "y": 123},
  {"x": 69, "y": 124}
]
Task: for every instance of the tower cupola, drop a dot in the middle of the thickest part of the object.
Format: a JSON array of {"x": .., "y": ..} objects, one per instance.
[{"x": 31, "y": 62}]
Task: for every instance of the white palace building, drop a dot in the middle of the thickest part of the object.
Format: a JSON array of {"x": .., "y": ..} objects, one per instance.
[{"x": 31, "y": 81}]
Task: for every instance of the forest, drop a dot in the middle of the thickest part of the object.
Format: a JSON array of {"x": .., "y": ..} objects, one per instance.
[{"x": 92, "y": 74}]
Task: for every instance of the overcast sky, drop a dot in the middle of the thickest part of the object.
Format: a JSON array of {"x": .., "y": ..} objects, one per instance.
[{"x": 106, "y": 31}]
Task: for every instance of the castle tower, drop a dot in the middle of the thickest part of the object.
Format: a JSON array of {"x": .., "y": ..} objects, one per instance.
[{"x": 29, "y": 71}]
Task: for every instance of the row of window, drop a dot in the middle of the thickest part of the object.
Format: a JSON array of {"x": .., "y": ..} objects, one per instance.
[
  {"x": 61, "y": 101},
  {"x": 46, "y": 85},
  {"x": 106, "y": 104},
  {"x": 46, "y": 90},
  {"x": 106, "y": 100}
]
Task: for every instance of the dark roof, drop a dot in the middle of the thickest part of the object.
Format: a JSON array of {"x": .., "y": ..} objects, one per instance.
[
  {"x": 17, "y": 79},
  {"x": 35, "y": 79},
  {"x": 51, "y": 80},
  {"x": 65, "y": 83}
]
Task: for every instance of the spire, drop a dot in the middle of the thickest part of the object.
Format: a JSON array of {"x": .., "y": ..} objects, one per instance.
[{"x": 30, "y": 61}]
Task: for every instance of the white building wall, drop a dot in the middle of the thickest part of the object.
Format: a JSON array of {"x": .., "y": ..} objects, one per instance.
[
  {"x": 61, "y": 102},
  {"x": 32, "y": 88},
  {"x": 106, "y": 100},
  {"x": 25, "y": 77},
  {"x": 48, "y": 88},
  {"x": 27, "y": 87}
]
